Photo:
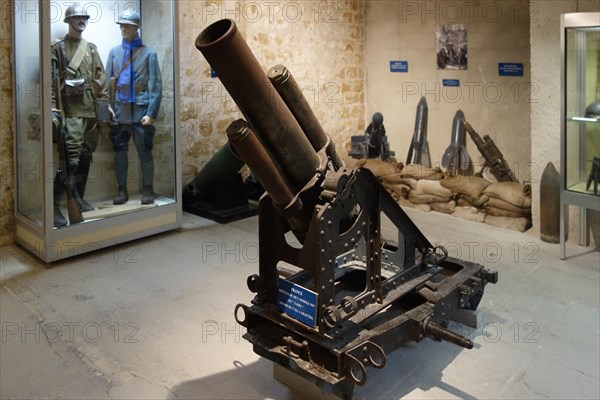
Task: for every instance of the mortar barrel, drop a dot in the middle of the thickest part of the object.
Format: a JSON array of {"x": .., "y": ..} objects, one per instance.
[
  {"x": 222, "y": 165},
  {"x": 229, "y": 55},
  {"x": 251, "y": 150},
  {"x": 287, "y": 87}
]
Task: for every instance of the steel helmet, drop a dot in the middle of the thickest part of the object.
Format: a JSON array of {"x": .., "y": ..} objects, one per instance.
[
  {"x": 129, "y": 17},
  {"x": 377, "y": 120},
  {"x": 75, "y": 10},
  {"x": 593, "y": 110}
]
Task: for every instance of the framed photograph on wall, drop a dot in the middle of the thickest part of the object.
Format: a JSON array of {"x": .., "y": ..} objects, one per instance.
[{"x": 451, "y": 46}]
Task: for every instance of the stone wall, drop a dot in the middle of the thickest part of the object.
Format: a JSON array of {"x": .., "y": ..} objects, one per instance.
[
  {"x": 6, "y": 129},
  {"x": 321, "y": 43},
  {"x": 158, "y": 30}
]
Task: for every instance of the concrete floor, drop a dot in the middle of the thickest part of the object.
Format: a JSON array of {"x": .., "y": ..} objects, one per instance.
[{"x": 153, "y": 319}]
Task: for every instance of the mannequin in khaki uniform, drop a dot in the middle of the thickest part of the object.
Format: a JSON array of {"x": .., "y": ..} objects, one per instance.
[{"x": 77, "y": 102}]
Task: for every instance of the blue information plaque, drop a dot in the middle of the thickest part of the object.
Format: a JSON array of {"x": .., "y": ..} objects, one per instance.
[
  {"x": 297, "y": 302},
  {"x": 398, "y": 66},
  {"x": 450, "y": 82},
  {"x": 510, "y": 69}
]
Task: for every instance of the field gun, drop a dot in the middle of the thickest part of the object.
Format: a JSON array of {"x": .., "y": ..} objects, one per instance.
[{"x": 332, "y": 295}]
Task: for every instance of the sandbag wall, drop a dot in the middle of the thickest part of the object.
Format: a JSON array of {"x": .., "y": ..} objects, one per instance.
[{"x": 502, "y": 204}]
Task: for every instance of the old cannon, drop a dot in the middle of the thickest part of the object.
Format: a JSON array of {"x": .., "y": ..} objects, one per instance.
[{"x": 332, "y": 295}]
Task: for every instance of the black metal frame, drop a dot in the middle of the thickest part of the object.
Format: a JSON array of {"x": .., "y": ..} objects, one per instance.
[{"x": 363, "y": 311}]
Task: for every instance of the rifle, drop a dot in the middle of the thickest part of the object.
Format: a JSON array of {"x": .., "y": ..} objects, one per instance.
[
  {"x": 594, "y": 175},
  {"x": 64, "y": 173},
  {"x": 494, "y": 159}
]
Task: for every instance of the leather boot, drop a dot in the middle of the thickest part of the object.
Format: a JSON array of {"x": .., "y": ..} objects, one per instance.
[
  {"x": 59, "y": 218},
  {"x": 81, "y": 177},
  {"x": 122, "y": 196},
  {"x": 147, "y": 179},
  {"x": 84, "y": 205},
  {"x": 147, "y": 194}
]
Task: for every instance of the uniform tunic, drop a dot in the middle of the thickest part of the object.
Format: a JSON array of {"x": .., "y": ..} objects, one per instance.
[
  {"x": 90, "y": 69},
  {"x": 147, "y": 83},
  {"x": 77, "y": 103}
]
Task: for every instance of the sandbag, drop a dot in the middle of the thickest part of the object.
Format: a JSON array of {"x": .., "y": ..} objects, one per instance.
[
  {"x": 504, "y": 205},
  {"x": 381, "y": 168},
  {"x": 470, "y": 185},
  {"x": 520, "y": 224},
  {"x": 355, "y": 163},
  {"x": 469, "y": 214},
  {"x": 512, "y": 192},
  {"x": 425, "y": 198},
  {"x": 397, "y": 179},
  {"x": 418, "y": 171},
  {"x": 407, "y": 203},
  {"x": 399, "y": 188},
  {"x": 480, "y": 201},
  {"x": 461, "y": 202},
  {"x": 499, "y": 212},
  {"x": 424, "y": 187},
  {"x": 392, "y": 193},
  {"x": 446, "y": 207}
]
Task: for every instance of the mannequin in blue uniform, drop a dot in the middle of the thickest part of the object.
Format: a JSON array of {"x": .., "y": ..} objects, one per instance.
[{"x": 137, "y": 94}]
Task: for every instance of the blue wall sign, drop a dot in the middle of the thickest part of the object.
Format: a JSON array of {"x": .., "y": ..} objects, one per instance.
[
  {"x": 398, "y": 66},
  {"x": 510, "y": 69},
  {"x": 297, "y": 302},
  {"x": 450, "y": 82}
]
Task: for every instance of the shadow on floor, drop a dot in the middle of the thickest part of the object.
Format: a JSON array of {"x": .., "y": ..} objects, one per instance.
[{"x": 404, "y": 373}]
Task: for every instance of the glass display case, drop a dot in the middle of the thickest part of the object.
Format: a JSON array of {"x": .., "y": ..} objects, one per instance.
[
  {"x": 580, "y": 116},
  {"x": 82, "y": 139}
]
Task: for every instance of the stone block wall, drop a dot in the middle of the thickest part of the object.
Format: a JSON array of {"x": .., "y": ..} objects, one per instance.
[
  {"x": 156, "y": 32},
  {"x": 321, "y": 43},
  {"x": 6, "y": 129}
]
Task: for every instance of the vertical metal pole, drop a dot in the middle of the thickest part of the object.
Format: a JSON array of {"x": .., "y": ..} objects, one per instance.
[
  {"x": 564, "y": 210},
  {"x": 580, "y": 84},
  {"x": 46, "y": 127},
  {"x": 563, "y": 137}
]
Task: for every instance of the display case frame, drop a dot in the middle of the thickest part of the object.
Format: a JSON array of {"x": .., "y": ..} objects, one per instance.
[
  {"x": 35, "y": 154},
  {"x": 580, "y": 133}
]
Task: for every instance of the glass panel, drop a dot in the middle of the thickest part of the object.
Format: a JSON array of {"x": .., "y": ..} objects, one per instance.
[
  {"x": 29, "y": 170},
  {"x": 124, "y": 163},
  {"x": 582, "y": 109},
  {"x": 158, "y": 14}
]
